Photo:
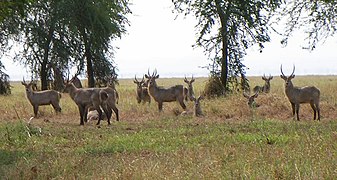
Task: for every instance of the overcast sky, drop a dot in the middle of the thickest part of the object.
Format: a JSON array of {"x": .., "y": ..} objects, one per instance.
[{"x": 156, "y": 40}]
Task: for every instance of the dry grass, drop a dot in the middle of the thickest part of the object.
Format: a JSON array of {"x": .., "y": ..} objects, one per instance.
[{"x": 230, "y": 141}]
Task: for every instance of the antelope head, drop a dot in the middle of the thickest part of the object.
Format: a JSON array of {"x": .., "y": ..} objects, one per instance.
[
  {"x": 139, "y": 83},
  {"x": 251, "y": 99},
  {"x": 152, "y": 78},
  {"x": 267, "y": 79},
  {"x": 189, "y": 82},
  {"x": 286, "y": 79}
]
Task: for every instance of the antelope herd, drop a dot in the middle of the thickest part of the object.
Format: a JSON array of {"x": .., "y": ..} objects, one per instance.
[{"x": 96, "y": 103}]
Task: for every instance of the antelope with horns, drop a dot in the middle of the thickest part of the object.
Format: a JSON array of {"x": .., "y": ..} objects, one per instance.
[
  {"x": 142, "y": 92},
  {"x": 190, "y": 92},
  {"x": 266, "y": 87},
  {"x": 251, "y": 99},
  {"x": 299, "y": 95},
  {"x": 160, "y": 95},
  {"x": 40, "y": 98},
  {"x": 85, "y": 98}
]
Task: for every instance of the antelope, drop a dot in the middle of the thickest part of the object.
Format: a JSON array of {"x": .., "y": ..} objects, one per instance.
[
  {"x": 85, "y": 98},
  {"x": 76, "y": 82},
  {"x": 40, "y": 98},
  {"x": 161, "y": 95},
  {"x": 266, "y": 87},
  {"x": 142, "y": 92},
  {"x": 109, "y": 97},
  {"x": 299, "y": 95},
  {"x": 190, "y": 92},
  {"x": 251, "y": 99},
  {"x": 197, "y": 106}
]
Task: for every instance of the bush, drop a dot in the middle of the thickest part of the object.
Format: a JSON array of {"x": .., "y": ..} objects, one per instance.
[
  {"x": 5, "y": 87},
  {"x": 214, "y": 87}
]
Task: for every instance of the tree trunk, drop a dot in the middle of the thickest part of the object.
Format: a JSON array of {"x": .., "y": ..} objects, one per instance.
[
  {"x": 44, "y": 69},
  {"x": 44, "y": 74},
  {"x": 88, "y": 56},
  {"x": 224, "y": 59},
  {"x": 90, "y": 71}
]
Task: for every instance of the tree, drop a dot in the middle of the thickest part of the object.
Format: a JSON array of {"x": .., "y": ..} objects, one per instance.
[
  {"x": 226, "y": 29},
  {"x": 317, "y": 19},
  {"x": 5, "y": 87},
  {"x": 97, "y": 24},
  {"x": 10, "y": 8},
  {"x": 57, "y": 35}
]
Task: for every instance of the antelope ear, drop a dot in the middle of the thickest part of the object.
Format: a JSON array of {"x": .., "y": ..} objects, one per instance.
[
  {"x": 157, "y": 76},
  {"x": 283, "y": 77},
  {"x": 134, "y": 82},
  {"x": 192, "y": 80},
  {"x": 292, "y": 76},
  {"x": 263, "y": 78},
  {"x": 271, "y": 77},
  {"x": 146, "y": 76}
]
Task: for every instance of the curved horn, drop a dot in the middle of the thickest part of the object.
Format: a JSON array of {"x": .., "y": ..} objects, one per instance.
[
  {"x": 136, "y": 79},
  {"x": 293, "y": 71},
  {"x": 282, "y": 71},
  {"x": 148, "y": 72}
]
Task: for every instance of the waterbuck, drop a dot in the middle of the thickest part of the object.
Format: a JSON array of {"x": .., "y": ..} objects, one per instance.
[
  {"x": 142, "y": 92},
  {"x": 299, "y": 95},
  {"x": 251, "y": 99},
  {"x": 85, "y": 98},
  {"x": 76, "y": 82},
  {"x": 190, "y": 92},
  {"x": 266, "y": 87},
  {"x": 197, "y": 106},
  {"x": 109, "y": 98},
  {"x": 160, "y": 95},
  {"x": 40, "y": 98}
]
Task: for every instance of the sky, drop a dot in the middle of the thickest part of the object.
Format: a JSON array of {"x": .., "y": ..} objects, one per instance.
[{"x": 158, "y": 40}]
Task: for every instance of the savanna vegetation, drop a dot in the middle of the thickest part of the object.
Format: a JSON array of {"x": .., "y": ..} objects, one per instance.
[{"x": 232, "y": 141}]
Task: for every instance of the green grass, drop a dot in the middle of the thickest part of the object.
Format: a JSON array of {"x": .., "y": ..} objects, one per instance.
[{"x": 230, "y": 142}]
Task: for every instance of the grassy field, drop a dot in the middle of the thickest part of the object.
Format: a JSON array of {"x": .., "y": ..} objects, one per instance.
[{"x": 231, "y": 141}]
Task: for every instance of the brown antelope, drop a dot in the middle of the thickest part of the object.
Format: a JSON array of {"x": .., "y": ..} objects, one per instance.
[
  {"x": 299, "y": 95},
  {"x": 160, "y": 95},
  {"x": 40, "y": 98},
  {"x": 197, "y": 106},
  {"x": 85, "y": 98},
  {"x": 266, "y": 87},
  {"x": 251, "y": 99},
  {"x": 109, "y": 98},
  {"x": 142, "y": 92},
  {"x": 190, "y": 92}
]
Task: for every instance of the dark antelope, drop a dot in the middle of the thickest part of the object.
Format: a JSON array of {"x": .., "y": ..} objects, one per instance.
[
  {"x": 266, "y": 87},
  {"x": 190, "y": 92},
  {"x": 299, "y": 95},
  {"x": 85, "y": 98},
  {"x": 142, "y": 92},
  {"x": 251, "y": 99},
  {"x": 161, "y": 95}
]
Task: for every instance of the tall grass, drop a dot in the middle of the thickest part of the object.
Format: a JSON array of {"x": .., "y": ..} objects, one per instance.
[{"x": 232, "y": 141}]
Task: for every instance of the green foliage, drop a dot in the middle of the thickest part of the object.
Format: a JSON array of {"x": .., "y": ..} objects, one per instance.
[
  {"x": 226, "y": 29},
  {"x": 5, "y": 87},
  {"x": 214, "y": 87},
  {"x": 63, "y": 34},
  {"x": 317, "y": 19}
]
